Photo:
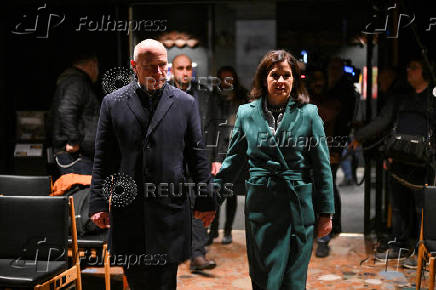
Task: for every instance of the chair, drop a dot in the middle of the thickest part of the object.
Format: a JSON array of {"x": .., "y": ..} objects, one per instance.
[
  {"x": 34, "y": 242},
  {"x": 427, "y": 237},
  {"x": 91, "y": 245},
  {"x": 20, "y": 185}
]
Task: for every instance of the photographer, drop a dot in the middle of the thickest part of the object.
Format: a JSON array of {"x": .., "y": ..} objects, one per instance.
[{"x": 413, "y": 115}]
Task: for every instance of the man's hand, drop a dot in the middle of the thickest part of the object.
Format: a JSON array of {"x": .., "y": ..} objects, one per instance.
[
  {"x": 101, "y": 219},
  {"x": 72, "y": 148},
  {"x": 324, "y": 226},
  {"x": 205, "y": 216},
  {"x": 216, "y": 166}
]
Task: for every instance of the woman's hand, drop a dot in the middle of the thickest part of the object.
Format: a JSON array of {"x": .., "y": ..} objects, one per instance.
[
  {"x": 216, "y": 166},
  {"x": 324, "y": 226}
]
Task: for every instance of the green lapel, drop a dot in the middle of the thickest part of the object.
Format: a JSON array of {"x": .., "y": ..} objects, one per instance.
[{"x": 290, "y": 118}]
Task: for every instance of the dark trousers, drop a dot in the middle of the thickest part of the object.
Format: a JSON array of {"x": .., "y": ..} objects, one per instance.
[
  {"x": 199, "y": 238},
  {"x": 255, "y": 287},
  {"x": 406, "y": 203},
  {"x": 337, "y": 223},
  {"x": 231, "y": 205},
  {"x": 152, "y": 277}
]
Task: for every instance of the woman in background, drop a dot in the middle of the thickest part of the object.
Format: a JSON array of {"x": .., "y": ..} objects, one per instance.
[{"x": 230, "y": 95}]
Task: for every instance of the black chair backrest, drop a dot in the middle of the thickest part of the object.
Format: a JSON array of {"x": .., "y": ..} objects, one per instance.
[
  {"x": 20, "y": 185},
  {"x": 430, "y": 213},
  {"x": 34, "y": 227}
]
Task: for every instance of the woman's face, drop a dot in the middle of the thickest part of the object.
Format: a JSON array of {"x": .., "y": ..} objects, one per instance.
[
  {"x": 279, "y": 81},
  {"x": 414, "y": 73}
]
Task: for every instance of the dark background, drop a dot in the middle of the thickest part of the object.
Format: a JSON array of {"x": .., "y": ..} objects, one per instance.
[{"x": 29, "y": 66}]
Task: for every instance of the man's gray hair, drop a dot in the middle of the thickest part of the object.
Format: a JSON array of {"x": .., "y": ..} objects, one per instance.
[{"x": 144, "y": 44}]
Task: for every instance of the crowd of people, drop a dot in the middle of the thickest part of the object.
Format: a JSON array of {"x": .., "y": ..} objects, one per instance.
[{"x": 157, "y": 130}]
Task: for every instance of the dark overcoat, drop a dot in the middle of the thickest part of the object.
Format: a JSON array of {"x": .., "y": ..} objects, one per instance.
[{"x": 154, "y": 151}]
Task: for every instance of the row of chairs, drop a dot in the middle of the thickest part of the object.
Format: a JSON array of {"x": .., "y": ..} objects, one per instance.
[{"x": 35, "y": 241}]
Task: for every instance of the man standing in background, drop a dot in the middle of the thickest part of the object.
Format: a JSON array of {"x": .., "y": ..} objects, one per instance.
[
  {"x": 182, "y": 78},
  {"x": 74, "y": 115}
]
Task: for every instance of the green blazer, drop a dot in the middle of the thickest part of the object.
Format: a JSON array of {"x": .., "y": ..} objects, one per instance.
[{"x": 279, "y": 197}]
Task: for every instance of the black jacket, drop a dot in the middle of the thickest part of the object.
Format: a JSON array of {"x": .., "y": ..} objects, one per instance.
[
  {"x": 150, "y": 153},
  {"x": 74, "y": 113}
]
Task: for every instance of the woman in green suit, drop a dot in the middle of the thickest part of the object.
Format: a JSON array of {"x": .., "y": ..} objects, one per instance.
[{"x": 282, "y": 138}]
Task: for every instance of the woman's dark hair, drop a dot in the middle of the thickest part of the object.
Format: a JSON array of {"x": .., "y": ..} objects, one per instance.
[
  {"x": 240, "y": 92},
  {"x": 298, "y": 92}
]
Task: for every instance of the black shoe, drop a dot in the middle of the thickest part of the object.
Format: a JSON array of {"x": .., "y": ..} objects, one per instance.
[
  {"x": 392, "y": 254},
  {"x": 201, "y": 263},
  {"x": 323, "y": 250},
  {"x": 411, "y": 262},
  {"x": 227, "y": 239},
  {"x": 212, "y": 235}
]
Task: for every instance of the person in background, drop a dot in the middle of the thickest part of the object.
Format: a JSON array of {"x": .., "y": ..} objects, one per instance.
[
  {"x": 409, "y": 110},
  {"x": 390, "y": 94},
  {"x": 228, "y": 97},
  {"x": 340, "y": 87},
  {"x": 181, "y": 71},
  {"x": 74, "y": 115},
  {"x": 328, "y": 109}
]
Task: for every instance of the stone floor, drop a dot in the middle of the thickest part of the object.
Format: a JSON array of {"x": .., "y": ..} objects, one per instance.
[{"x": 351, "y": 265}]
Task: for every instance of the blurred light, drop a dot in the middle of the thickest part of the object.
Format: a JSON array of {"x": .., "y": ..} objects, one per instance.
[
  {"x": 304, "y": 54},
  {"x": 349, "y": 69},
  {"x": 303, "y": 76}
]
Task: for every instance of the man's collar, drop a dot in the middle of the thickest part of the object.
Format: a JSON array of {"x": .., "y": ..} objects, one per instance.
[{"x": 155, "y": 93}]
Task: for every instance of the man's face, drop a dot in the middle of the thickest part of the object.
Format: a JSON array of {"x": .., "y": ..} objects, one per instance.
[
  {"x": 279, "y": 80},
  {"x": 317, "y": 83},
  {"x": 414, "y": 73},
  {"x": 182, "y": 70},
  {"x": 151, "y": 67}
]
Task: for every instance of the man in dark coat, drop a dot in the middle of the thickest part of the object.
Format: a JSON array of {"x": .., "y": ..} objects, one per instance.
[
  {"x": 182, "y": 78},
  {"x": 150, "y": 131},
  {"x": 74, "y": 115}
]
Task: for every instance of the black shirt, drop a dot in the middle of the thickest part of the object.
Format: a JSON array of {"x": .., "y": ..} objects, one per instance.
[{"x": 150, "y": 99}]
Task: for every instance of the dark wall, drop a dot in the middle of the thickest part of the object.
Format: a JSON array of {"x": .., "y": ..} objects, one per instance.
[
  {"x": 320, "y": 27},
  {"x": 3, "y": 100},
  {"x": 31, "y": 62}
]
